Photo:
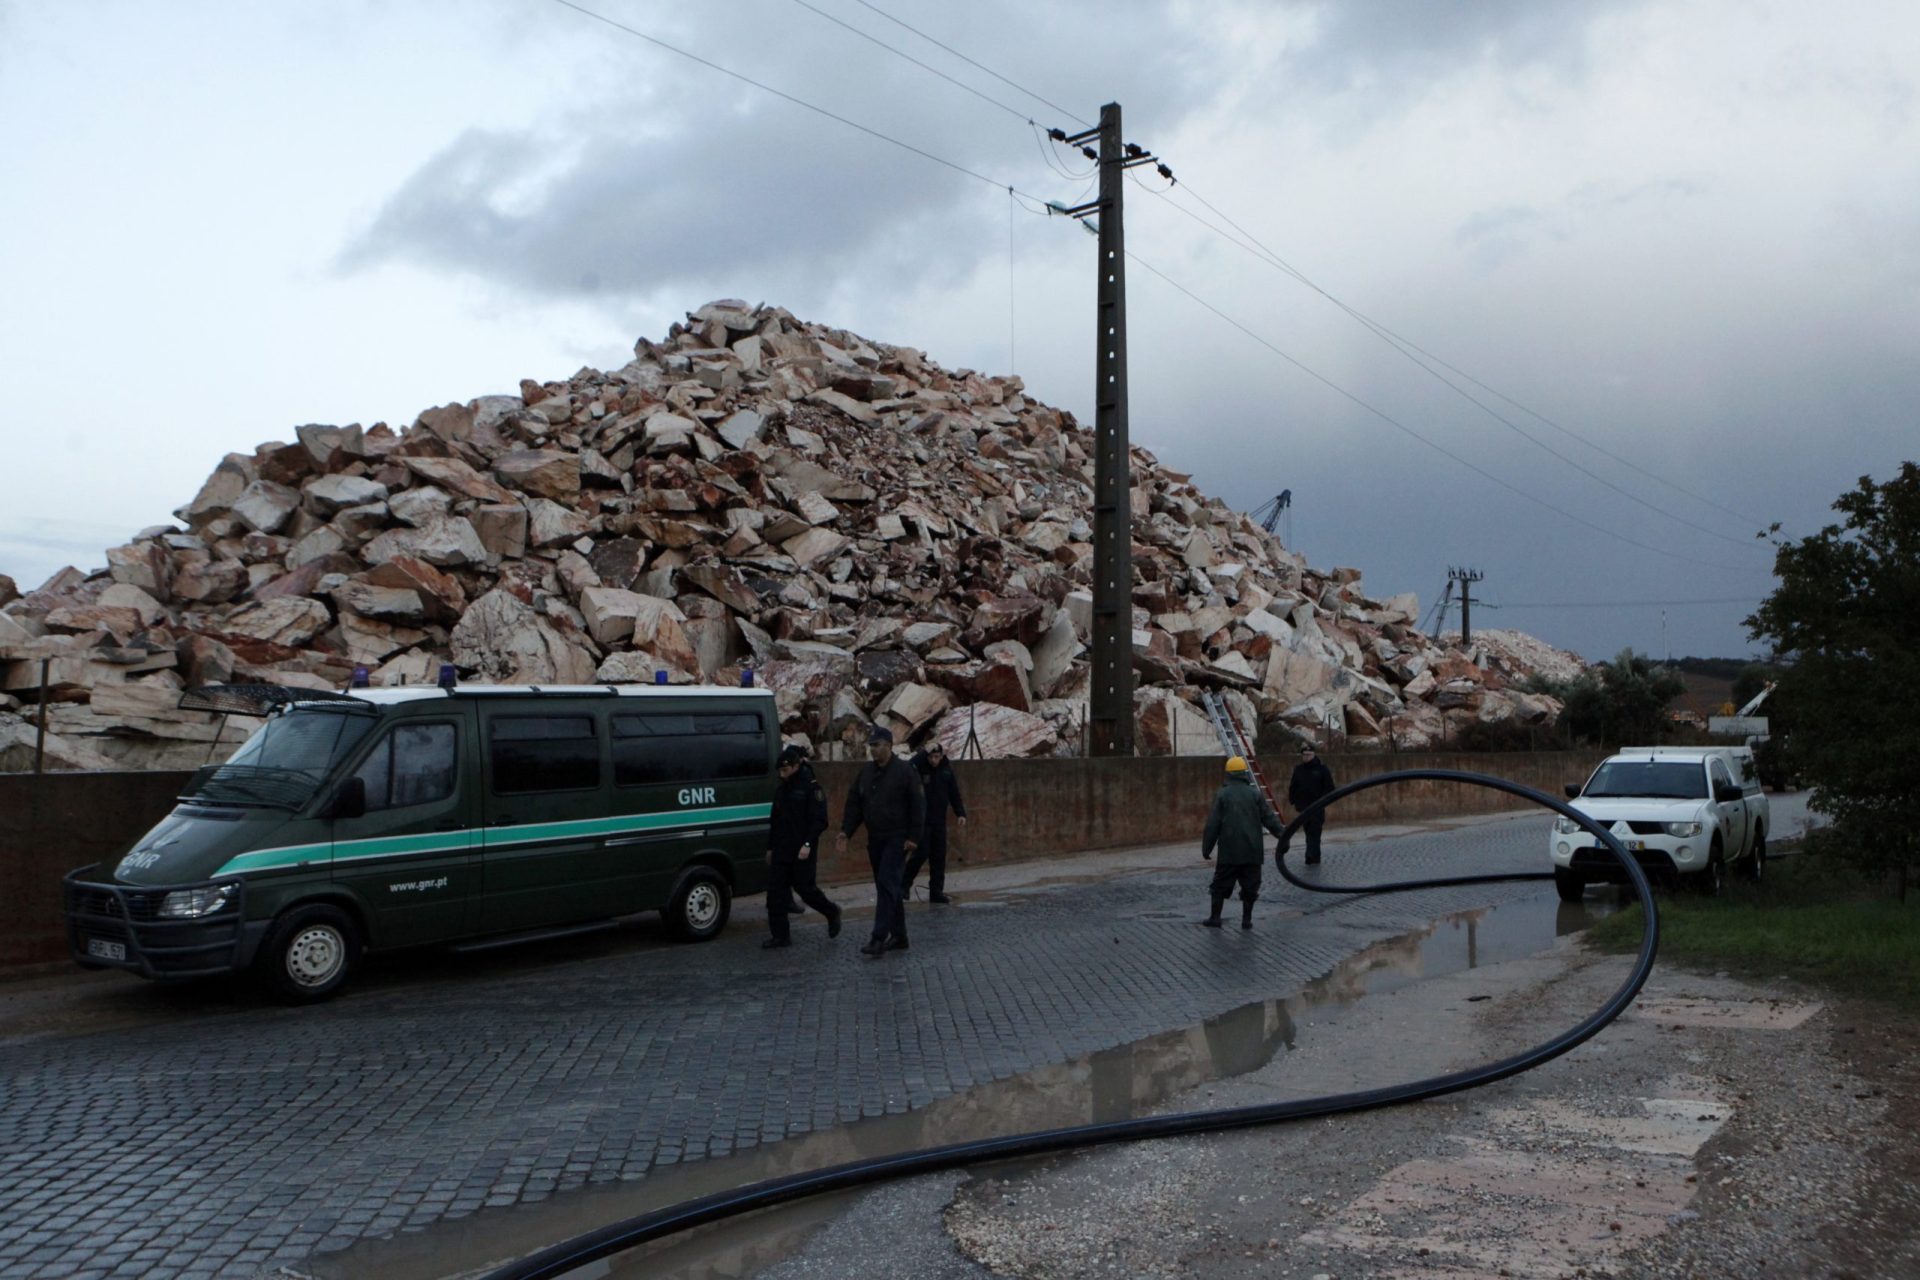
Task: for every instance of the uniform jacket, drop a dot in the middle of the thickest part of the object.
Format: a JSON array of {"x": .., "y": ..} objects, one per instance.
[
  {"x": 888, "y": 800},
  {"x": 942, "y": 786},
  {"x": 1310, "y": 781},
  {"x": 1239, "y": 812},
  {"x": 799, "y": 815}
]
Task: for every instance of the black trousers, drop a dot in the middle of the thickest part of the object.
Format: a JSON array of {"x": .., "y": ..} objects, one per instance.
[
  {"x": 931, "y": 853},
  {"x": 1312, "y": 828},
  {"x": 887, "y": 857},
  {"x": 1246, "y": 876},
  {"x": 786, "y": 880}
]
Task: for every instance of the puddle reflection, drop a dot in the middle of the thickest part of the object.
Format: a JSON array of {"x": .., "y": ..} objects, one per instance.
[{"x": 1112, "y": 1084}]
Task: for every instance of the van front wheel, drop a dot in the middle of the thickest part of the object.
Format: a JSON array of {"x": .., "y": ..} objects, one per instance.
[
  {"x": 700, "y": 905},
  {"x": 309, "y": 953}
]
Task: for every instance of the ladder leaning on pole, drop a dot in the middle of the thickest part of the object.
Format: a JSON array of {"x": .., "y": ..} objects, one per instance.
[{"x": 1234, "y": 742}]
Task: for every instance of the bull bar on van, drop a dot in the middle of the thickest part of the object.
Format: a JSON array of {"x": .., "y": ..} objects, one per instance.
[{"x": 120, "y": 927}]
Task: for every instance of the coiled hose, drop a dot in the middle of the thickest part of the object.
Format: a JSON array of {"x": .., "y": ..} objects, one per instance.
[{"x": 557, "y": 1260}]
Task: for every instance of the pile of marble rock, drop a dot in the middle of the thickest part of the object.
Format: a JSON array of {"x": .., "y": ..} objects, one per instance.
[{"x": 876, "y": 537}]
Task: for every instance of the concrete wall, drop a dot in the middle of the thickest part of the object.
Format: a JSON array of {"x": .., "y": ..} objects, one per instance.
[
  {"x": 1018, "y": 809},
  {"x": 55, "y": 822}
]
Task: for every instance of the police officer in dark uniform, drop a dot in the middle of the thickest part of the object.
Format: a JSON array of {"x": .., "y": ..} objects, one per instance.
[
  {"x": 1311, "y": 780},
  {"x": 942, "y": 788},
  {"x": 886, "y": 796},
  {"x": 793, "y": 847}
]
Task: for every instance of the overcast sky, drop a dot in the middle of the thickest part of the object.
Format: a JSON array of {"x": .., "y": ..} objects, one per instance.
[{"x": 1687, "y": 233}]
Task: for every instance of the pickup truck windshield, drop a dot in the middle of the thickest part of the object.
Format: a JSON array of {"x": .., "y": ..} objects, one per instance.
[
  {"x": 1673, "y": 780},
  {"x": 284, "y": 763}
]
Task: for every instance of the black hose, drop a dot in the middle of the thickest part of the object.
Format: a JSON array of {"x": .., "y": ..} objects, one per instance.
[{"x": 557, "y": 1260}]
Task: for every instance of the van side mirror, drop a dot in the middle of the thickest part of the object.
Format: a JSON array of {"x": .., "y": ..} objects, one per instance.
[
  {"x": 1727, "y": 793},
  {"x": 350, "y": 801},
  {"x": 1573, "y": 790}
]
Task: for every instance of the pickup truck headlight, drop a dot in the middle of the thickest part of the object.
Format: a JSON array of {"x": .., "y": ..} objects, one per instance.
[
  {"x": 188, "y": 904},
  {"x": 1567, "y": 826},
  {"x": 1683, "y": 828}
]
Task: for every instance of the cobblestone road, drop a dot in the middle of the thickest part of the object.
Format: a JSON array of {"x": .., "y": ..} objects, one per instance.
[{"x": 234, "y": 1142}]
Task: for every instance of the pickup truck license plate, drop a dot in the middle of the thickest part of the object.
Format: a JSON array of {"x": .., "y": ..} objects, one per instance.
[
  {"x": 1635, "y": 845},
  {"x": 105, "y": 950}
]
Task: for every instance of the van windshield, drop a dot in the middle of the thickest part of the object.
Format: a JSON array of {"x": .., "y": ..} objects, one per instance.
[
  {"x": 283, "y": 764},
  {"x": 1671, "y": 780}
]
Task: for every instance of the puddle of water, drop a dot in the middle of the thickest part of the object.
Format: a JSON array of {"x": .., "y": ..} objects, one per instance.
[{"x": 1112, "y": 1084}]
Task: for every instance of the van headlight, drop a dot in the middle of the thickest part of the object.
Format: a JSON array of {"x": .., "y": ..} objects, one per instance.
[
  {"x": 188, "y": 904},
  {"x": 1683, "y": 828},
  {"x": 1567, "y": 826}
]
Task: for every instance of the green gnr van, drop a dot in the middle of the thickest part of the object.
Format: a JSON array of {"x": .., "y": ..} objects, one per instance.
[{"x": 475, "y": 815}]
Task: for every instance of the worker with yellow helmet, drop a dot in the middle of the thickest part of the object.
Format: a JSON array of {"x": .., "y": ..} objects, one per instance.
[{"x": 1239, "y": 813}]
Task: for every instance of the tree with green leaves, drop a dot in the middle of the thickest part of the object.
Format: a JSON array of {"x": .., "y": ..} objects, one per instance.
[
  {"x": 1846, "y": 616},
  {"x": 1618, "y": 703}
]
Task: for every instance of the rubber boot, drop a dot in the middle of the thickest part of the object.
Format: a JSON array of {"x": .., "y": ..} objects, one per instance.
[
  {"x": 1213, "y": 921},
  {"x": 1246, "y": 913}
]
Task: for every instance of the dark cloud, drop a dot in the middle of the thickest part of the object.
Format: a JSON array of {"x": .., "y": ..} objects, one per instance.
[
  {"x": 1398, "y": 43},
  {"x": 687, "y": 181}
]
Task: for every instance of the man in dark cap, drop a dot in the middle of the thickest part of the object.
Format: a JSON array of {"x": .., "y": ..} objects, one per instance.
[
  {"x": 886, "y": 796},
  {"x": 1311, "y": 780},
  {"x": 942, "y": 789},
  {"x": 793, "y": 847}
]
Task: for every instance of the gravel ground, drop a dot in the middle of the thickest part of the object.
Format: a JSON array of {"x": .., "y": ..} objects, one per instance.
[{"x": 1722, "y": 1128}]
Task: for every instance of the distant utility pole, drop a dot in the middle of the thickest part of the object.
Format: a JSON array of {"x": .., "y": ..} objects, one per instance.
[
  {"x": 1466, "y": 578},
  {"x": 1111, "y": 702}
]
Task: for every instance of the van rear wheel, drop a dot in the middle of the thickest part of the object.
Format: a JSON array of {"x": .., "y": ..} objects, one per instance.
[
  {"x": 309, "y": 953},
  {"x": 700, "y": 905}
]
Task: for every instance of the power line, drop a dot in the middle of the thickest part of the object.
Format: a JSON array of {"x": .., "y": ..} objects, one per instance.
[
  {"x": 1401, "y": 346},
  {"x": 788, "y": 97},
  {"x": 1014, "y": 191},
  {"x": 1407, "y": 345},
  {"x": 1404, "y": 346},
  {"x": 1398, "y": 425},
  {"x": 1015, "y": 112},
  {"x": 970, "y": 62},
  {"x": 1052, "y": 159}
]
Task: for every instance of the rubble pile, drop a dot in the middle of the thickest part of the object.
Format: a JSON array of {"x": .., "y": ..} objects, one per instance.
[{"x": 876, "y": 537}]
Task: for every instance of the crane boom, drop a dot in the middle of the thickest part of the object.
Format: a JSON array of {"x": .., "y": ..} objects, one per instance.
[{"x": 1758, "y": 698}]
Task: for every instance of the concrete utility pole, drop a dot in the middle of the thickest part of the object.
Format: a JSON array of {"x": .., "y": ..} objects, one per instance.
[
  {"x": 1111, "y": 703},
  {"x": 1466, "y": 578}
]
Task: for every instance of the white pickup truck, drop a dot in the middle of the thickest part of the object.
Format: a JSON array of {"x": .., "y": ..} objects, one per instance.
[{"x": 1686, "y": 813}]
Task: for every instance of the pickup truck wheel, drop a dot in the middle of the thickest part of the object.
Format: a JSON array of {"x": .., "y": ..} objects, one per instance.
[
  {"x": 1707, "y": 882},
  {"x": 309, "y": 953},
  {"x": 1754, "y": 869},
  {"x": 1570, "y": 886},
  {"x": 700, "y": 905}
]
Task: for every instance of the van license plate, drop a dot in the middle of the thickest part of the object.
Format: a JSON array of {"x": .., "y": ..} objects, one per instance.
[{"x": 105, "y": 950}]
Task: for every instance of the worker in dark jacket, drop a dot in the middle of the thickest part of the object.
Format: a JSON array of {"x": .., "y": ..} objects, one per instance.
[
  {"x": 1239, "y": 812},
  {"x": 886, "y": 796},
  {"x": 1311, "y": 780},
  {"x": 793, "y": 847},
  {"x": 942, "y": 789}
]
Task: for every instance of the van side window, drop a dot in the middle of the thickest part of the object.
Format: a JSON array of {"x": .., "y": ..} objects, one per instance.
[
  {"x": 415, "y": 764},
  {"x": 665, "y": 746},
  {"x": 544, "y": 753}
]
